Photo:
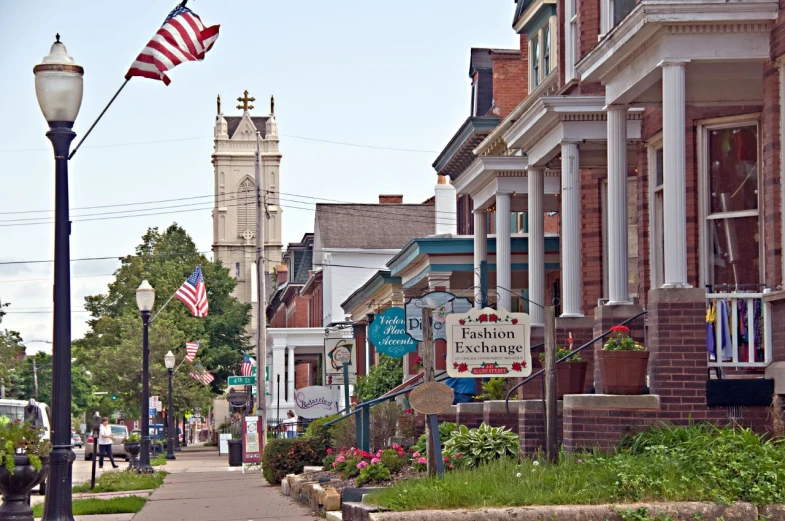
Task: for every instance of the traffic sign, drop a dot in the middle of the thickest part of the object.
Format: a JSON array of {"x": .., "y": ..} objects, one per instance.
[{"x": 242, "y": 380}]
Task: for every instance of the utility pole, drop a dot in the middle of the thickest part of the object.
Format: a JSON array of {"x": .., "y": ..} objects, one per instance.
[
  {"x": 261, "y": 298},
  {"x": 35, "y": 379}
]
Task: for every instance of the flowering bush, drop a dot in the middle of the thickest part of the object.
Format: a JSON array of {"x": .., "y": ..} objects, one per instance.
[
  {"x": 351, "y": 462},
  {"x": 417, "y": 363},
  {"x": 561, "y": 352},
  {"x": 419, "y": 464},
  {"x": 373, "y": 473},
  {"x": 621, "y": 341}
]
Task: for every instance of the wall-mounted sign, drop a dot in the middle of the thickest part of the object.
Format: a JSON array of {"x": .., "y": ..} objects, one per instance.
[
  {"x": 488, "y": 343},
  {"x": 237, "y": 398},
  {"x": 442, "y": 303},
  {"x": 431, "y": 398},
  {"x": 337, "y": 379},
  {"x": 314, "y": 402},
  {"x": 388, "y": 333},
  {"x": 338, "y": 351},
  {"x": 252, "y": 450}
]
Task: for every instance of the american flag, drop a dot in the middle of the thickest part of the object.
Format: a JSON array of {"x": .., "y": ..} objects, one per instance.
[
  {"x": 190, "y": 351},
  {"x": 193, "y": 293},
  {"x": 248, "y": 364},
  {"x": 182, "y": 38},
  {"x": 202, "y": 376}
]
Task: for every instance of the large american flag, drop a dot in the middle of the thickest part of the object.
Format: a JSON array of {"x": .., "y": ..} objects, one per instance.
[
  {"x": 182, "y": 38},
  {"x": 248, "y": 364},
  {"x": 202, "y": 376},
  {"x": 190, "y": 351},
  {"x": 193, "y": 293}
]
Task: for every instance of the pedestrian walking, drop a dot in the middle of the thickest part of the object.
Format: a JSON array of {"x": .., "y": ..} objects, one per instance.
[
  {"x": 290, "y": 425},
  {"x": 105, "y": 437}
]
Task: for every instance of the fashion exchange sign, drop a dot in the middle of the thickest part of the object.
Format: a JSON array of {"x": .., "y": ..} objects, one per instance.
[{"x": 487, "y": 343}]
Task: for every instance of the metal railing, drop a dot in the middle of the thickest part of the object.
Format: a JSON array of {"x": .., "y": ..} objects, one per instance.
[{"x": 562, "y": 359}]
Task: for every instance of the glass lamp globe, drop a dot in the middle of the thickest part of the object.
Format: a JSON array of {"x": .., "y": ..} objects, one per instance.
[
  {"x": 169, "y": 360},
  {"x": 58, "y": 85},
  {"x": 145, "y": 296}
]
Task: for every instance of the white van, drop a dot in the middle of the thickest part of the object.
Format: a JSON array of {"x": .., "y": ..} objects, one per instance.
[{"x": 15, "y": 410}]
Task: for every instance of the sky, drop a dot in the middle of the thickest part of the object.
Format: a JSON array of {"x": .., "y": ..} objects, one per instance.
[{"x": 376, "y": 74}]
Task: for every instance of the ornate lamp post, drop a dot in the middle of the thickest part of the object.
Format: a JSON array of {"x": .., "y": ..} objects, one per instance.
[
  {"x": 169, "y": 361},
  {"x": 58, "y": 86},
  {"x": 145, "y": 298}
]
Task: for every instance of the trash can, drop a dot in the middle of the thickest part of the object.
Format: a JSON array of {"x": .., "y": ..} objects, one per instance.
[{"x": 235, "y": 453}]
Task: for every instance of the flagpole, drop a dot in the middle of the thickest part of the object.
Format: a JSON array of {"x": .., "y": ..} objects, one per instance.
[
  {"x": 162, "y": 307},
  {"x": 99, "y": 117}
]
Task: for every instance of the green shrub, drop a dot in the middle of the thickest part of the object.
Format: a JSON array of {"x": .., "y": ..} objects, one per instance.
[
  {"x": 392, "y": 461},
  {"x": 383, "y": 377},
  {"x": 384, "y": 424},
  {"x": 494, "y": 389},
  {"x": 481, "y": 445},
  {"x": 289, "y": 456},
  {"x": 316, "y": 428},
  {"x": 374, "y": 473},
  {"x": 343, "y": 433},
  {"x": 348, "y": 467},
  {"x": 445, "y": 431}
]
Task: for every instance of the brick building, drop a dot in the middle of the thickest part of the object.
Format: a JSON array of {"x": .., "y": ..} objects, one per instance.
[{"x": 653, "y": 128}]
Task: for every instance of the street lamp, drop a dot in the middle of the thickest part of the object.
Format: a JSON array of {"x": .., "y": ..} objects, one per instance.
[
  {"x": 145, "y": 298},
  {"x": 58, "y": 87},
  {"x": 169, "y": 361}
]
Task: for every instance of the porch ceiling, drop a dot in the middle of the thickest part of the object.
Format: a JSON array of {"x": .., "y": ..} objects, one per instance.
[{"x": 723, "y": 43}]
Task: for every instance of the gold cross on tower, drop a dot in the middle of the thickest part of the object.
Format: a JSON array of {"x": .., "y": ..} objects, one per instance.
[{"x": 245, "y": 102}]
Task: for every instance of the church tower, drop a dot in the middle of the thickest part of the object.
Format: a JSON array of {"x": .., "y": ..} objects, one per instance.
[{"x": 234, "y": 214}]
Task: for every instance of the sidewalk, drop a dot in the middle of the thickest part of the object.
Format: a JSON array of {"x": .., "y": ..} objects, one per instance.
[{"x": 201, "y": 487}]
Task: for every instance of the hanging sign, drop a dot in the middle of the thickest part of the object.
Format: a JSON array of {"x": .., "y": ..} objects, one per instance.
[
  {"x": 314, "y": 402},
  {"x": 488, "y": 343},
  {"x": 442, "y": 303},
  {"x": 252, "y": 452},
  {"x": 338, "y": 351},
  {"x": 388, "y": 333}
]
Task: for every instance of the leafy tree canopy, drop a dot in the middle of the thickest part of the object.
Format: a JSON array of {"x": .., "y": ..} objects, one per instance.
[
  {"x": 112, "y": 348},
  {"x": 383, "y": 377},
  {"x": 10, "y": 348}
]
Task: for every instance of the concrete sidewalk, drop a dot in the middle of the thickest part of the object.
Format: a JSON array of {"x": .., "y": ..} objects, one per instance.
[{"x": 201, "y": 487}]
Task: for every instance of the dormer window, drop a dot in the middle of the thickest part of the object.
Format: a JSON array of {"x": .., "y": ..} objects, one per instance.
[
  {"x": 536, "y": 61},
  {"x": 542, "y": 52},
  {"x": 546, "y": 50}
]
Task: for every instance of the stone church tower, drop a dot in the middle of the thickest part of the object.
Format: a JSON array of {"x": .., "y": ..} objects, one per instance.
[{"x": 234, "y": 215}]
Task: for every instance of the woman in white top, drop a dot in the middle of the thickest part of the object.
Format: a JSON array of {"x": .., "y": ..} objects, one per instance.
[
  {"x": 105, "y": 437},
  {"x": 290, "y": 425}
]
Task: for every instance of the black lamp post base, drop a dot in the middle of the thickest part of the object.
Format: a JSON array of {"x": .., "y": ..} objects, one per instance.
[
  {"x": 144, "y": 470},
  {"x": 170, "y": 456}
]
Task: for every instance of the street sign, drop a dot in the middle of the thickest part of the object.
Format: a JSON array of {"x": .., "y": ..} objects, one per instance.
[{"x": 242, "y": 380}]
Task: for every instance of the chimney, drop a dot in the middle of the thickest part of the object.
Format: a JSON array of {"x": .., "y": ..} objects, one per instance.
[
  {"x": 283, "y": 273},
  {"x": 390, "y": 199},
  {"x": 445, "y": 207}
]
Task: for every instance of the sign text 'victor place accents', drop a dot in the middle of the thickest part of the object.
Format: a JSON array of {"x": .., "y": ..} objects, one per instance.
[
  {"x": 488, "y": 343},
  {"x": 388, "y": 333}
]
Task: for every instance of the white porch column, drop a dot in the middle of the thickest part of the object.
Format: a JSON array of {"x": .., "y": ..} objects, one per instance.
[
  {"x": 503, "y": 252},
  {"x": 675, "y": 166},
  {"x": 571, "y": 230},
  {"x": 480, "y": 255},
  {"x": 536, "y": 245},
  {"x": 618, "y": 277},
  {"x": 290, "y": 376}
]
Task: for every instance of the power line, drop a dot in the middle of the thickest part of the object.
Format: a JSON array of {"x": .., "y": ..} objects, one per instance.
[{"x": 304, "y": 138}]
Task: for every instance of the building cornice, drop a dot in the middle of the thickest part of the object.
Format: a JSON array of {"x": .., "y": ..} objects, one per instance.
[
  {"x": 530, "y": 14},
  {"x": 471, "y": 127}
]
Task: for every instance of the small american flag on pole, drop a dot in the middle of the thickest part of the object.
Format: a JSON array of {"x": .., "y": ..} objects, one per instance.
[
  {"x": 190, "y": 351},
  {"x": 248, "y": 364},
  {"x": 182, "y": 38},
  {"x": 202, "y": 376},
  {"x": 193, "y": 293}
]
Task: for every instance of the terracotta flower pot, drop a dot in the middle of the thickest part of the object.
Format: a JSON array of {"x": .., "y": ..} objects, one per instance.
[
  {"x": 623, "y": 372},
  {"x": 17, "y": 486},
  {"x": 570, "y": 378}
]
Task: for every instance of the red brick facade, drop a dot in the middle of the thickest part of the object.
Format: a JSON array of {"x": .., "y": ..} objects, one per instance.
[{"x": 510, "y": 73}]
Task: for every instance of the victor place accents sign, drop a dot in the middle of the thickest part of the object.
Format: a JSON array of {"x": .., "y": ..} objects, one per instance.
[
  {"x": 388, "y": 333},
  {"x": 488, "y": 343}
]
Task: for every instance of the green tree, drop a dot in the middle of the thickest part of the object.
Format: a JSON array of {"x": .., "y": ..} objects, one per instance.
[
  {"x": 383, "y": 377},
  {"x": 33, "y": 379},
  {"x": 10, "y": 348},
  {"x": 112, "y": 348}
]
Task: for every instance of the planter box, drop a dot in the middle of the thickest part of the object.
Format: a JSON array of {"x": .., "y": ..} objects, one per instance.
[
  {"x": 623, "y": 372},
  {"x": 570, "y": 378}
]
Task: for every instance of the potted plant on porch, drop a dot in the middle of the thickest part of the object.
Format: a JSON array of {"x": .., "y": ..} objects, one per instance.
[
  {"x": 133, "y": 446},
  {"x": 24, "y": 455},
  {"x": 571, "y": 373},
  {"x": 623, "y": 363}
]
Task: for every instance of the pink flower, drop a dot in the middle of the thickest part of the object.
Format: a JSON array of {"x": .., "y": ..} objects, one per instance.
[
  {"x": 416, "y": 455},
  {"x": 422, "y": 461},
  {"x": 446, "y": 459},
  {"x": 401, "y": 453},
  {"x": 334, "y": 464},
  {"x": 362, "y": 465},
  {"x": 329, "y": 451},
  {"x": 374, "y": 461},
  {"x": 340, "y": 459}
]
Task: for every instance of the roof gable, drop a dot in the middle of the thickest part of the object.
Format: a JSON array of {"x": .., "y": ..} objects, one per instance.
[{"x": 247, "y": 124}]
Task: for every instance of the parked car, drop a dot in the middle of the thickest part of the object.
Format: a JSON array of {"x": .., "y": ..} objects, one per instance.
[
  {"x": 76, "y": 440},
  {"x": 30, "y": 411},
  {"x": 120, "y": 433}
]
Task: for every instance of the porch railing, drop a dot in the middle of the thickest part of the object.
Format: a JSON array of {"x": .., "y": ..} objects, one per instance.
[{"x": 738, "y": 330}]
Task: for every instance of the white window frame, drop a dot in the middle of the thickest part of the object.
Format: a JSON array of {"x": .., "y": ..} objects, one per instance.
[
  {"x": 537, "y": 70},
  {"x": 534, "y": 62},
  {"x": 704, "y": 127},
  {"x": 656, "y": 231},
  {"x": 606, "y": 17},
  {"x": 570, "y": 39},
  {"x": 546, "y": 37},
  {"x": 475, "y": 96}
]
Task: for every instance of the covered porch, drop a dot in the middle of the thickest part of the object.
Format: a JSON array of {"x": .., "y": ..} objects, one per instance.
[{"x": 294, "y": 357}]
